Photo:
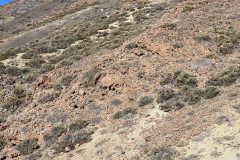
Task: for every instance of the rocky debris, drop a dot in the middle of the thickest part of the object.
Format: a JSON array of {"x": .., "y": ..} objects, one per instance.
[
  {"x": 105, "y": 88},
  {"x": 13, "y": 153}
]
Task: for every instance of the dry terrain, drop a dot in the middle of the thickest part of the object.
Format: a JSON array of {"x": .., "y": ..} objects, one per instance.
[{"x": 120, "y": 80}]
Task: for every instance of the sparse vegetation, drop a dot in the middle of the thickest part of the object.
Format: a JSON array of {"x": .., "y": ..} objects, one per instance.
[
  {"x": 226, "y": 77},
  {"x": 15, "y": 99},
  {"x": 56, "y": 131},
  {"x": 183, "y": 78},
  {"x": 78, "y": 125},
  {"x": 165, "y": 94},
  {"x": 202, "y": 37},
  {"x": 15, "y": 71},
  {"x": 48, "y": 97},
  {"x": 169, "y": 25},
  {"x": 65, "y": 81},
  {"x": 187, "y": 9},
  {"x": 124, "y": 112},
  {"x": 70, "y": 140},
  {"x": 28, "y": 146},
  {"x": 3, "y": 142},
  {"x": 210, "y": 92},
  {"x": 131, "y": 45},
  {"x": 162, "y": 153},
  {"x": 88, "y": 77},
  {"x": 144, "y": 100}
]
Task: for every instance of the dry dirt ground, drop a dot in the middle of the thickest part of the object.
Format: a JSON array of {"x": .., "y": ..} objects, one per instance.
[{"x": 206, "y": 130}]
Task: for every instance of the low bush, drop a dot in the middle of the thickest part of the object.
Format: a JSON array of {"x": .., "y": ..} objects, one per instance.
[
  {"x": 70, "y": 140},
  {"x": 202, "y": 37},
  {"x": 53, "y": 135},
  {"x": 165, "y": 94},
  {"x": 29, "y": 78},
  {"x": 28, "y": 146},
  {"x": 78, "y": 125},
  {"x": 15, "y": 71},
  {"x": 131, "y": 45},
  {"x": 226, "y": 77},
  {"x": 19, "y": 92},
  {"x": 3, "y": 142},
  {"x": 210, "y": 92},
  {"x": 124, "y": 112},
  {"x": 35, "y": 63},
  {"x": 66, "y": 80},
  {"x": 163, "y": 153},
  {"x": 48, "y": 98},
  {"x": 183, "y": 78},
  {"x": 187, "y": 9},
  {"x": 15, "y": 99},
  {"x": 144, "y": 100},
  {"x": 46, "y": 68},
  {"x": 2, "y": 68}
]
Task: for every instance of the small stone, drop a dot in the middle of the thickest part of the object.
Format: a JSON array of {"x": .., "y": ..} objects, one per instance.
[
  {"x": 67, "y": 149},
  {"x": 82, "y": 93},
  {"x": 168, "y": 136},
  {"x": 12, "y": 153}
]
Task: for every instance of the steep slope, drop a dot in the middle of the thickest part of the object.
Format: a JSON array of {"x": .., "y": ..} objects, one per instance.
[{"x": 138, "y": 80}]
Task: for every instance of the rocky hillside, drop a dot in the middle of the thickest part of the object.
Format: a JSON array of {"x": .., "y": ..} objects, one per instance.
[{"x": 120, "y": 79}]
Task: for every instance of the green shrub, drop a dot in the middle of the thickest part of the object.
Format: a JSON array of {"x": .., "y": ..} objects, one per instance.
[
  {"x": 217, "y": 29},
  {"x": 15, "y": 71},
  {"x": 192, "y": 96},
  {"x": 46, "y": 49},
  {"x": 226, "y": 48},
  {"x": 64, "y": 63},
  {"x": 57, "y": 86},
  {"x": 28, "y": 55},
  {"x": 226, "y": 77},
  {"x": 131, "y": 45},
  {"x": 46, "y": 68},
  {"x": 19, "y": 92},
  {"x": 78, "y": 125},
  {"x": 168, "y": 78},
  {"x": 183, "y": 78},
  {"x": 66, "y": 80},
  {"x": 187, "y": 9},
  {"x": 53, "y": 135},
  {"x": 210, "y": 92},
  {"x": 35, "y": 63},
  {"x": 211, "y": 56},
  {"x": 28, "y": 146},
  {"x": 49, "y": 97},
  {"x": 2, "y": 68},
  {"x": 3, "y": 142},
  {"x": 165, "y": 94},
  {"x": 202, "y": 37},
  {"x": 29, "y": 78},
  {"x": 162, "y": 153},
  {"x": 144, "y": 100},
  {"x": 70, "y": 140},
  {"x": 171, "y": 105},
  {"x": 124, "y": 112},
  {"x": 2, "y": 120},
  {"x": 8, "y": 53}
]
